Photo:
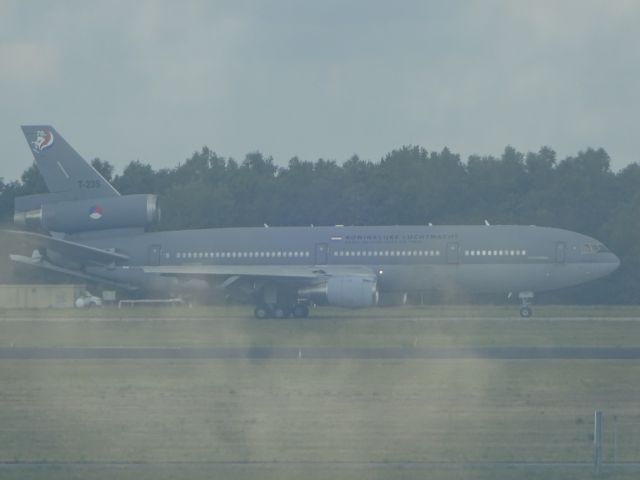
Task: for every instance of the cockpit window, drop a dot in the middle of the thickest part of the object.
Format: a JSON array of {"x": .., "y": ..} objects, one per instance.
[{"x": 590, "y": 248}]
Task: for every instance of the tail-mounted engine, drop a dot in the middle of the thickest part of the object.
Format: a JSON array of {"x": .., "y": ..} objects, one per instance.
[{"x": 129, "y": 211}]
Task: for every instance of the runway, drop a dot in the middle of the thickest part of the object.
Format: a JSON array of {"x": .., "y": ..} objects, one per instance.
[{"x": 318, "y": 353}]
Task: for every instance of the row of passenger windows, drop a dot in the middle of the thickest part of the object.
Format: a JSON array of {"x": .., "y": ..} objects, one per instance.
[
  {"x": 494, "y": 253},
  {"x": 387, "y": 253},
  {"x": 279, "y": 254},
  {"x": 347, "y": 253},
  {"x": 243, "y": 254}
]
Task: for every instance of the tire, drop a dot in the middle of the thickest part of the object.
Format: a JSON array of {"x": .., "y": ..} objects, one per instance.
[
  {"x": 526, "y": 312},
  {"x": 300, "y": 311},
  {"x": 261, "y": 312}
]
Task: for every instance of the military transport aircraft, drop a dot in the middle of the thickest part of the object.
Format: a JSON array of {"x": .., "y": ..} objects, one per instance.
[{"x": 83, "y": 227}]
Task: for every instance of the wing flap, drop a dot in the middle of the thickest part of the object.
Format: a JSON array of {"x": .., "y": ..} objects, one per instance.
[
  {"x": 302, "y": 272},
  {"x": 236, "y": 270}
]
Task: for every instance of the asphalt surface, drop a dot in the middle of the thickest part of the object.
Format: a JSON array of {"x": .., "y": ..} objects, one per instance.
[
  {"x": 8, "y": 466},
  {"x": 318, "y": 463},
  {"x": 318, "y": 353}
]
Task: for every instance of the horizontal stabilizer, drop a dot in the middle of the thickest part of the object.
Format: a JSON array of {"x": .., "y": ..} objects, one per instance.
[
  {"x": 76, "y": 251},
  {"x": 44, "y": 265}
]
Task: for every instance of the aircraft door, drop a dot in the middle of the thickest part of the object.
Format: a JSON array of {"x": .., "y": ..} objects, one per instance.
[
  {"x": 321, "y": 253},
  {"x": 452, "y": 253},
  {"x": 560, "y": 252},
  {"x": 154, "y": 254}
]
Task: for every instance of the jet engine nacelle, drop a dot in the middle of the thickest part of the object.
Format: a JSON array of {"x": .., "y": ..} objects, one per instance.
[
  {"x": 129, "y": 211},
  {"x": 351, "y": 291}
]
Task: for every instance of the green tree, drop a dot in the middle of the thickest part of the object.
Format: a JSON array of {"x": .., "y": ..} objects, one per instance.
[
  {"x": 136, "y": 178},
  {"x": 104, "y": 168},
  {"x": 32, "y": 181}
]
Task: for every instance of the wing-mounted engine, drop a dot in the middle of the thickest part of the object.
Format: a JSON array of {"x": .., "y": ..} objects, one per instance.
[
  {"x": 129, "y": 211},
  {"x": 351, "y": 291}
]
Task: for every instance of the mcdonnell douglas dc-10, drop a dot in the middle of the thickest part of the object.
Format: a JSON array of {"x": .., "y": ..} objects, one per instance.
[{"x": 83, "y": 227}]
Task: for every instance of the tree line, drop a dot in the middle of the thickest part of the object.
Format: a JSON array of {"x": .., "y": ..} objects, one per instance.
[{"x": 409, "y": 186}]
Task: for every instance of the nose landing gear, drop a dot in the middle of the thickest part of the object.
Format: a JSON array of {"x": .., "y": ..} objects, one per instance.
[
  {"x": 526, "y": 298},
  {"x": 526, "y": 312}
]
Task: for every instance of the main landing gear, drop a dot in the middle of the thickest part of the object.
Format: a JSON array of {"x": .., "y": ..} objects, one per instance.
[
  {"x": 526, "y": 298},
  {"x": 299, "y": 310},
  {"x": 278, "y": 301}
]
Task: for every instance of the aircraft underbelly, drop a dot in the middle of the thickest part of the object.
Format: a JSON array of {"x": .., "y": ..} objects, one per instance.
[{"x": 482, "y": 278}]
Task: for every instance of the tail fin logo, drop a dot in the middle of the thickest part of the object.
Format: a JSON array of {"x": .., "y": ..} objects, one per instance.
[{"x": 44, "y": 139}]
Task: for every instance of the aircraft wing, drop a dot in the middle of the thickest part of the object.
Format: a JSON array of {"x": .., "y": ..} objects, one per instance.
[
  {"x": 45, "y": 265},
  {"x": 77, "y": 251},
  {"x": 300, "y": 272}
]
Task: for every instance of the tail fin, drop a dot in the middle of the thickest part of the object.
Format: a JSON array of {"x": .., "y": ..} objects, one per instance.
[{"x": 63, "y": 170}]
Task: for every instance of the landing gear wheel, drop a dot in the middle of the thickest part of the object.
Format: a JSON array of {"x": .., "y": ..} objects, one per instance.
[
  {"x": 300, "y": 311},
  {"x": 262, "y": 311},
  {"x": 526, "y": 298},
  {"x": 526, "y": 312},
  {"x": 280, "y": 312}
]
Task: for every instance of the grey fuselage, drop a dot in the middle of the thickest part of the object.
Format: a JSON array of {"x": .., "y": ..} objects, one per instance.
[{"x": 477, "y": 259}]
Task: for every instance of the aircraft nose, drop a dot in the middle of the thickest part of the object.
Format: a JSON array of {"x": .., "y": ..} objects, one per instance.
[
  {"x": 606, "y": 264},
  {"x": 610, "y": 262},
  {"x": 615, "y": 262}
]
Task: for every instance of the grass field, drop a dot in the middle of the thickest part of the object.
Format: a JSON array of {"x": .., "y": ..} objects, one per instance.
[{"x": 351, "y": 419}]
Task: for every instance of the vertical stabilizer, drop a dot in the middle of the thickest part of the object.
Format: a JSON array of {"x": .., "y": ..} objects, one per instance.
[{"x": 63, "y": 170}]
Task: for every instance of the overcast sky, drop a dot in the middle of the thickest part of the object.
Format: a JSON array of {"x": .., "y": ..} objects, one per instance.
[{"x": 157, "y": 80}]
